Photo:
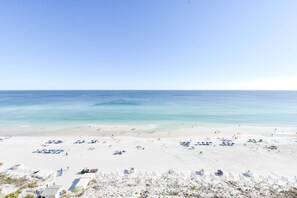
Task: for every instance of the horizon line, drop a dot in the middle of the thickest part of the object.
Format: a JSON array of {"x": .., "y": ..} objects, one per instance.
[{"x": 148, "y": 89}]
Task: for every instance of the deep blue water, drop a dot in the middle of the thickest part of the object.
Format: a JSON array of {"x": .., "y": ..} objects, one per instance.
[{"x": 269, "y": 108}]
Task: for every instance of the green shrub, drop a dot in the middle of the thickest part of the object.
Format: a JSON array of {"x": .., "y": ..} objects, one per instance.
[
  {"x": 29, "y": 196},
  {"x": 14, "y": 194}
]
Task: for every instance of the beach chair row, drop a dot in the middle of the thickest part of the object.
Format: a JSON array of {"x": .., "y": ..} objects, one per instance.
[
  {"x": 207, "y": 143},
  {"x": 50, "y": 151},
  {"x": 83, "y": 141},
  {"x": 203, "y": 144},
  {"x": 55, "y": 141}
]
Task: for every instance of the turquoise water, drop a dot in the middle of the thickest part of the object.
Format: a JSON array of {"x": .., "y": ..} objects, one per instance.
[{"x": 263, "y": 108}]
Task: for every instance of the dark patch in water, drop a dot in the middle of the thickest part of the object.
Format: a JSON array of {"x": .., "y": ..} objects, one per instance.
[{"x": 117, "y": 103}]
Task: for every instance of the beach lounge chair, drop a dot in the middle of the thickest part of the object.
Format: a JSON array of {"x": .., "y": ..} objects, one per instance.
[
  {"x": 185, "y": 143},
  {"x": 118, "y": 152},
  {"x": 93, "y": 142},
  {"x": 247, "y": 174},
  {"x": 58, "y": 151},
  {"x": 58, "y": 141},
  {"x": 52, "y": 151},
  {"x": 199, "y": 173},
  {"x": 126, "y": 171}
]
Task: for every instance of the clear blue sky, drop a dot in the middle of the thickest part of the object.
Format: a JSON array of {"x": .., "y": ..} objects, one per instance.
[{"x": 148, "y": 44}]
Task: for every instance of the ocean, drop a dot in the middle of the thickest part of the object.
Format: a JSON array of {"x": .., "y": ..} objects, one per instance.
[{"x": 255, "y": 108}]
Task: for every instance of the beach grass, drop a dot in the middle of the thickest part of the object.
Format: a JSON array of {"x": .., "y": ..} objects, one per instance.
[{"x": 14, "y": 194}]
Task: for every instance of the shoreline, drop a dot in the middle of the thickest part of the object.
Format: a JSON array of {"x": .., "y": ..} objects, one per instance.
[{"x": 148, "y": 130}]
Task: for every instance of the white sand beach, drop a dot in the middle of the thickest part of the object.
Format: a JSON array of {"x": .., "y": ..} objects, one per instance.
[
  {"x": 268, "y": 153},
  {"x": 148, "y": 99}
]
